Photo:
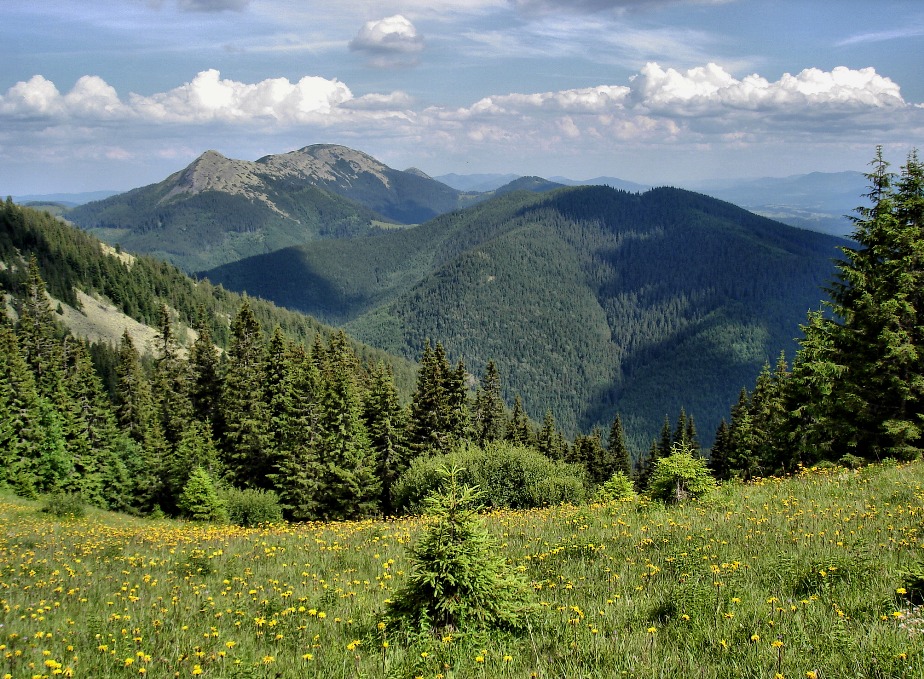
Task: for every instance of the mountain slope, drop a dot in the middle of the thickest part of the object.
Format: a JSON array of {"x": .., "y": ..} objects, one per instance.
[
  {"x": 103, "y": 292},
  {"x": 590, "y": 300},
  {"x": 219, "y": 210}
]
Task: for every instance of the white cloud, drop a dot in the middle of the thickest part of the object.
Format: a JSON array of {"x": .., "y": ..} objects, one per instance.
[
  {"x": 391, "y": 41},
  {"x": 660, "y": 110},
  {"x": 710, "y": 89},
  {"x": 206, "y": 98}
]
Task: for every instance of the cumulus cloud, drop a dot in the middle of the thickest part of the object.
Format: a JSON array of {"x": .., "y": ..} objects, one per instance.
[
  {"x": 206, "y": 98},
  {"x": 392, "y": 41},
  {"x": 659, "y": 110},
  {"x": 709, "y": 89}
]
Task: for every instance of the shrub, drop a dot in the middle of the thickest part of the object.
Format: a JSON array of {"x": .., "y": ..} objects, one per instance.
[
  {"x": 251, "y": 507},
  {"x": 509, "y": 476},
  {"x": 680, "y": 476},
  {"x": 200, "y": 501},
  {"x": 65, "y": 505},
  {"x": 618, "y": 487},
  {"x": 458, "y": 579}
]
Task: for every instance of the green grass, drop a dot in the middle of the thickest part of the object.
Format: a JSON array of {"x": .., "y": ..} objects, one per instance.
[{"x": 788, "y": 577}]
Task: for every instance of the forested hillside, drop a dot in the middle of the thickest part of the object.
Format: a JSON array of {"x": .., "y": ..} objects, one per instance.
[
  {"x": 290, "y": 416},
  {"x": 70, "y": 260},
  {"x": 590, "y": 300}
]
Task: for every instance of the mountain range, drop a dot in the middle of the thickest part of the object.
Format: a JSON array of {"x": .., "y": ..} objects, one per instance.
[{"x": 590, "y": 299}]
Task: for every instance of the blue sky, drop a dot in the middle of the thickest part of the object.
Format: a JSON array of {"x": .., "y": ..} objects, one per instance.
[{"x": 113, "y": 94}]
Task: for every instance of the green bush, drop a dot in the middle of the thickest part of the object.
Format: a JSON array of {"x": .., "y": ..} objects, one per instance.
[
  {"x": 251, "y": 507},
  {"x": 65, "y": 505},
  {"x": 509, "y": 476},
  {"x": 680, "y": 476},
  {"x": 618, "y": 487},
  {"x": 459, "y": 581},
  {"x": 200, "y": 501}
]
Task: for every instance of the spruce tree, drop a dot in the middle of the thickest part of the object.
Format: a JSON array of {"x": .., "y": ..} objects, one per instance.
[
  {"x": 247, "y": 440},
  {"x": 436, "y": 408},
  {"x": 618, "y": 453},
  {"x": 134, "y": 400},
  {"x": 871, "y": 359},
  {"x": 488, "y": 418},
  {"x": 205, "y": 376},
  {"x": 385, "y": 424},
  {"x": 350, "y": 488},
  {"x": 519, "y": 431},
  {"x": 295, "y": 409}
]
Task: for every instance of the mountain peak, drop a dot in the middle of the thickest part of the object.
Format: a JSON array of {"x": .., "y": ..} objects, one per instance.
[{"x": 326, "y": 163}]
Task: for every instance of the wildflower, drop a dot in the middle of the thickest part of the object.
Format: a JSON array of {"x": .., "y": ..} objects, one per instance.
[
  {"x": 755, "y": 637},
  {"x": 197, "y": 669}
]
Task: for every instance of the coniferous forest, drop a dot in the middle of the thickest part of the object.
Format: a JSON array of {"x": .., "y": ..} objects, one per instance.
[{"x": 294, "y": 419}]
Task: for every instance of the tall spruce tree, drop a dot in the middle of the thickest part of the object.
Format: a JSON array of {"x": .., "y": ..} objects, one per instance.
[
  {"x": 519, "y": 430},
  {"x": 437, "y": 417},
  {"x": 873, "y": 344},
  {"x": 618, "y": 452},
  {"x": 488, "y": 418},
  {"x": 385, "y": 423},
  {"x": 247, "y": 442},
  {"x": 350, "y": 487},
  {"x": 295, "y": 409}
]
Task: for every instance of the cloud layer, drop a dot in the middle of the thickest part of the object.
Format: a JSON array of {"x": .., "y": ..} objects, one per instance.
[{"x": 657, "y": 110}]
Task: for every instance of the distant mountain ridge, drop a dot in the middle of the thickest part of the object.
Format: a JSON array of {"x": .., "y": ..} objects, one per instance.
[
  {"x": 218, "y": 209},
  {"x": 591, "y": 300}
]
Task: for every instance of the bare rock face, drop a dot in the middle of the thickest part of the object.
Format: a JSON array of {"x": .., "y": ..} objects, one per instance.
[
  {"x": 325, "y": 163},
  {"x": 214, "y": 172}
]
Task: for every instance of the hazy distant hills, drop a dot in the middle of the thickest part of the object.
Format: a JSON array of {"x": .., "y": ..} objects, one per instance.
[
  {"x": 821, "y": 201},
  {"x": 590, "y": 299}
]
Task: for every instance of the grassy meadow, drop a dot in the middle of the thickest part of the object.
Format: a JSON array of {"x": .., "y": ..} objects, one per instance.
[{"x": 812, "y": 576}]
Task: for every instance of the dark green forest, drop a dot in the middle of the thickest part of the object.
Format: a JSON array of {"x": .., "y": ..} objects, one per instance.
[
  {"x": 590, "y": 300},
  {"x": 304, "y": 426}
]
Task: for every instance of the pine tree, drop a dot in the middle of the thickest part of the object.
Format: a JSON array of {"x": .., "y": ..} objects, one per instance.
[
  {"x": 247, "y": 439},
  {"x": 295, "y": 405},
  {"x": 666, "y": 440},
  {"x": 205, "y": 369},
  {"x": 866, "y": 367},
  {"x": 350, "y": 487},
  {"x": 21, "y": 431},
  {"x": 171, "y": 382},
  {"x": 548, "y": 440},
  {"x": 718, "y": 456},
  {"x": 436, "y": 408},
  {"x": 488, "y": 418},
  {"x": 134, "y": 401},
  {"x": 519, "y": 430},
  {"x": 385, "y": 423},
  {"x": 37, "y": 332},
  {"x": 619, "y": 456}
]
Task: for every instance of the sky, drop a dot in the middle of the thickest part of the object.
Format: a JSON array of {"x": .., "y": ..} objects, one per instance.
[{"x": 115, "y": 94}]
